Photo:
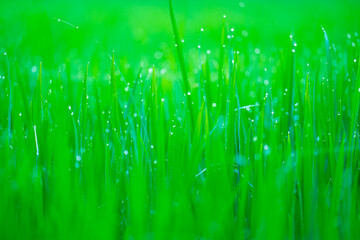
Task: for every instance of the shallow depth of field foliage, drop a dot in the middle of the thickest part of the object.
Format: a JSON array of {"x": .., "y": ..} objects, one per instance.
[{"x": 179, "y": 119}]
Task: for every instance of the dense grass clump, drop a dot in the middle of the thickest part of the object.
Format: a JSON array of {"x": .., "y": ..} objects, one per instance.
[{"x": 226, "y": 141}]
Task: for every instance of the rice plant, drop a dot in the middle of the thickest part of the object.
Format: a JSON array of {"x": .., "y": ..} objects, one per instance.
[{"x": 209, "y": 134}]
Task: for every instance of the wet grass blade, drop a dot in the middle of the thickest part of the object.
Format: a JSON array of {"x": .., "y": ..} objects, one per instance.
[{"x": 180, "y": 54}]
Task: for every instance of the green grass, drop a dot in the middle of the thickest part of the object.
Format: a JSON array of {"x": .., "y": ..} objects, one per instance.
[{"x": 221, "y": 133}]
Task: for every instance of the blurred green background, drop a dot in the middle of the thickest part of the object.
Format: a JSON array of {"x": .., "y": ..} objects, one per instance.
[{"x": 136, "y": 30}]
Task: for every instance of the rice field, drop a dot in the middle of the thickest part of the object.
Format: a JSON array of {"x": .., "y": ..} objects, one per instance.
[{"x": 179, "y": 120}]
